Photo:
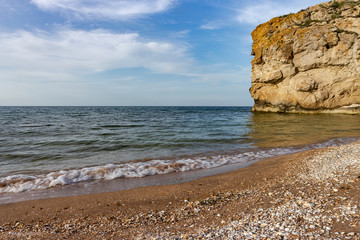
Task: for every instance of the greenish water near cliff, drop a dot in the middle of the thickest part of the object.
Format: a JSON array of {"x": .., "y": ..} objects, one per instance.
[{"x": 283, "y": 130}]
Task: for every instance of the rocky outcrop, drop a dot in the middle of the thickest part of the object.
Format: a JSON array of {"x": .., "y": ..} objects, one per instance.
[{"x": 308, "y": 61}]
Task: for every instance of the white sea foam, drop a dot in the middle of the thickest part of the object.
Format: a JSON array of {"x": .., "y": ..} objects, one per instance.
[{"x": 20, "y": 183}]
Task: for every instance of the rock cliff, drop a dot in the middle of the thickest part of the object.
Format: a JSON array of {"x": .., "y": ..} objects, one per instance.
[{"x": 308, "y": 61}]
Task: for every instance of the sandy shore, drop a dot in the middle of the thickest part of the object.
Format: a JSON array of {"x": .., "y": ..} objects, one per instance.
[{"x": 308, "y": 195}]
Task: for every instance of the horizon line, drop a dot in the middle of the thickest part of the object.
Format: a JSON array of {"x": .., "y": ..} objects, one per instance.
[{"x": 124, "y": 106}]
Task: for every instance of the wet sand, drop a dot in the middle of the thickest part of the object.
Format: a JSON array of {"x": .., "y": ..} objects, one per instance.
[{"x": 309, "y": 195}]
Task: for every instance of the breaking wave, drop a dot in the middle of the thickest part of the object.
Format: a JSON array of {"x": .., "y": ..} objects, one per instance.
[{"x": 22, "y": 182}]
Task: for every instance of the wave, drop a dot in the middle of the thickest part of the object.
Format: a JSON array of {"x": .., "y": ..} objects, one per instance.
[
  {"x": 122, "y": 126},
  {"x": 22, "y": 182}
]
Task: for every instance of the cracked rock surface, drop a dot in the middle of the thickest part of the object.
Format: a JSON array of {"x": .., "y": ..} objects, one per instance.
[{"x": 309, "y": 61}]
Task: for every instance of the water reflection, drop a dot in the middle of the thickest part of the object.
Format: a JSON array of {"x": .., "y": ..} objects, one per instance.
[{"x": 280, "y": 130}]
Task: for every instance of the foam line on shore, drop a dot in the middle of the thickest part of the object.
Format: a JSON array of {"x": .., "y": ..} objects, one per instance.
[{"x": 22, "y": 182}]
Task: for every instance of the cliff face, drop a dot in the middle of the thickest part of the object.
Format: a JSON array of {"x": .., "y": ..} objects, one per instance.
[{"x": 308, "y": 61}]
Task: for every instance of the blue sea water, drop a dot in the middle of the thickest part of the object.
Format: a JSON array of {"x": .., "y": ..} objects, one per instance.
[{"x": 47, "y": 147}]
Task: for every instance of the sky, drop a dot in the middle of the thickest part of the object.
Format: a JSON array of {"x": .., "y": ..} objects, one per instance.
[{"x": 131, "y": 52}]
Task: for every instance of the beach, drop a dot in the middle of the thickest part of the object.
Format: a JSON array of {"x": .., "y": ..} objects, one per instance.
[{"x": 308, "y": 195}]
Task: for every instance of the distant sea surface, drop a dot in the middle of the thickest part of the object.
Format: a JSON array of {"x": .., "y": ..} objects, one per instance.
[{"x": 52, "y": 147}]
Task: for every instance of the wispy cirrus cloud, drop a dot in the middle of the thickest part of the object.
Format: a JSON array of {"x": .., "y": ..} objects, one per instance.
[
  {"x": 261, "y": 11},
  {"x": 77, "y": 52},
  {"x": 180, "y": 34},
  {"x": 109, "y": 9},
  {"x": 213, "y": 25}
]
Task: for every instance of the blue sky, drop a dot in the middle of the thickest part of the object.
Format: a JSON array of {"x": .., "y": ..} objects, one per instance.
[{"x": 130, "y": 52}]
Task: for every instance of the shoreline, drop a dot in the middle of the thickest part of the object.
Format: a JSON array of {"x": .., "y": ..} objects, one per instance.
[
  {"x": 299, "y": 188},
  {"x": 105, "y": 178}
]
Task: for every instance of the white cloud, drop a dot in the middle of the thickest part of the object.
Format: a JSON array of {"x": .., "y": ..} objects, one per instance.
[
  {"x": 180, "y": 34},
  {"x": 70, "y": 53},
  {"x": 212, "y": 25},
  {"x": 261, "y": 11},
  {"x": 110, "y": 9}
]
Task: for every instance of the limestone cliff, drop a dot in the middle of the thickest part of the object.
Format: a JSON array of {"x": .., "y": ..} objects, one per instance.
[{"x": 308, "y": 61}]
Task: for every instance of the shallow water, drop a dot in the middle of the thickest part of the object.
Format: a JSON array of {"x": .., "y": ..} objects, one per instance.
[
  {"x": 283, "y": 130},
  {"x": 49, "y": 147}
]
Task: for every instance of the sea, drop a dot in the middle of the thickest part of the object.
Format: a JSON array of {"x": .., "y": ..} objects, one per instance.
[{"x": 65, "y": 151}]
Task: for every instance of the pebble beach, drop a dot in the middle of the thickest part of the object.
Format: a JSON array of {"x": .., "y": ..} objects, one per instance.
[{"x": 307, "y": 195}]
